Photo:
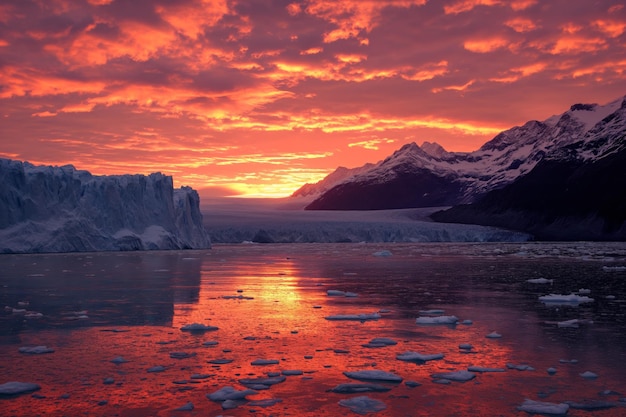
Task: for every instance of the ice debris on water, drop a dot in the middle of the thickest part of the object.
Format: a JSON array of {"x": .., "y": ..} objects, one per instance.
[
  {"x": 457, "y": 376},
  {"x": 565, "y": 299},
  {"x": 261, "y": 381},
  {"x": 263, "y": 362},
  {"x": 186, "y": 407},
  {"x": 494, "y": 335},
  {"x": 482, "y": 369},
  {"x": 551, "y": 371},
  {"x": 229, "y": 393},
  {"x": 418, "y": 357},
  {"x": 437, "y": 320},
  {"x": 157, "y": 368},
  {"x": 338, "y": 293},
  {"x": 380, "y": 342},
  {"x": 355, "y": 388},
  {"x": 268, "y": 402},
  {"x": 357, "y": 317},
  {"x": 520, "y": 367},
  {"x": 363, "y": 405},
  {"x": 118, "y": 360},
  {"x": 382, "y": 253},
  {"x": 540, "y": 281},
  {"x": 373, "y": 375},
  {"x": 432, "y": 312},
  {"x": 539, "y": 407},
  {"x": 589, "y": 375},
  {"x": 198, "y": 327},
  {"x": 35, "y": 350},
  {"x": 16, "y": 387}
]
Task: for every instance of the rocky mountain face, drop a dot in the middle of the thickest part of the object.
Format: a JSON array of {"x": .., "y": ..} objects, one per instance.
[{"x": 430, "y": 175}]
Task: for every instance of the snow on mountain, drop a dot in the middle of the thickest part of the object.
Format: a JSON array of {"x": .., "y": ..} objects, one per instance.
[
  {"x": 62, "y": 209},
  {"x": 337, "y": 176},
  {"x": 429, "y": 176}
]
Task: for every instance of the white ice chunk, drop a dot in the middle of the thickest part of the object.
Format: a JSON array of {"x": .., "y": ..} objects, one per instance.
[
  {"x": 198, "y": 327},
  {"x": 263, "y": 381},
  {"x": 494, "y": 335},
  {"x": 589, "y": 375},
  {"x": 382, "y": 253},
  {"x": 433, "y": 312},
  {"x": 565, "y": 299},
  {"x": 35, "y": 350},
  {"x": 568, "y": 323},
  {"x": 551, "y": 371},
  {"x": 335, "y": 293},
  {"x": 539, "y": 407},
  {"x": 290, "y": 372},
  {"x": 119, "y": 360},
  {"x": 465, "y": 346},
  {"x": 437, "y": 320},
  {"x": 520, "y": 367},
  {"x": 540, "y": 281},
  {"x": 229, "y": 393},
  {"x": 380, "y": 342},
  {"x": 363, "y": 405},
  {"x": 373, "y": 375},
  {"x": 16, "y": 387},
  {"x": 459, "y": 376},
  {"x": 418, "y": 357},
  {"x": 584, "y": 291},
  {"x": 352, "y": 388},
  {"x": 359, "y": 317},
  {"x": 186, "y": 407},
  {"x": 157, "y": 368}
]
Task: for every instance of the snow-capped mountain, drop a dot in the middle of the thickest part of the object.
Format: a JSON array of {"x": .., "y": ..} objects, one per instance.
[
  {"x": 62, "y": 209},
  {"x": 425, "y": 176}
]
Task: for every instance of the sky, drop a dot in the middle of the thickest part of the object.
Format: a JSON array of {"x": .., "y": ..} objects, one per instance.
[{"x": 257, "y": 97}]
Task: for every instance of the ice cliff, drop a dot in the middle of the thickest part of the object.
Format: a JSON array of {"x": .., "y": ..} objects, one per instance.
[{"x": 62, "y": 209}]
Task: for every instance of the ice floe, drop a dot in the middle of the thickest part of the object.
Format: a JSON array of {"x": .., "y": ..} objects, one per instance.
[
  {"x": 574, "y": 323},
  {"x": 338, "y": 293},
  {"x": 118, "y": 360},
  {"x": 437, "y": 320},
  {"x": 229, "y": 393},
  {"x": 465, "y": 346},
  {"x": 16, "y": 387},
  {"x": 373, "y": 375},
  {"x": 494, "y": 335},
  {"x": 522, "y": 367},
  {"x": 540, "y": 281},
  {"x": 589, "y": 375},
  {"x": 354, "y": 388},
  {"x": 263, "y": 362},
  {"x": 35, "y": 350},
  {"x": 482, "y": 369},
  {"x": 382, "y": 253},
  {"x": 551, "y": 371},
  {"x": 539, "y": 407},
  {"x": 261, "y": 381},
  {"x": 380, "y": 342},
  {"x": 292, "y": 372},
  {"x": 363, "y": 405},
  {"x": 182, "y": 355},
  {"x": 418, "y": 357},
  {"x": 198, "y": 327},
  {"x": 457, "y": 376},
  {"x": 210, "y": 343},
  {"x": 590, "y": 405},
  {"x": 186, "y": 407},
  {"x": 268, "y": 402},
  {"x": 157, "y": 368},
  {"x": 565, "y": 299},
  {"x": 220, "y": 361},
  {"x": 358, "y": 317},
  {"x": 237, "y": 297},
  {"x": 433, "y": 312}
]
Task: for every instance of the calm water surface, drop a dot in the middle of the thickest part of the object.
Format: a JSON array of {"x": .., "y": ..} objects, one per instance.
[{"x": 270, "y": 302}]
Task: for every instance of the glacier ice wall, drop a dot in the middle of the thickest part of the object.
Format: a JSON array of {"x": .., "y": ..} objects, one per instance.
[{"x": 62, "y": 209}]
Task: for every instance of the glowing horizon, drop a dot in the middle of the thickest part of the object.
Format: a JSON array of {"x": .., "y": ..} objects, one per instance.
[{"x": 256, "y": 98}]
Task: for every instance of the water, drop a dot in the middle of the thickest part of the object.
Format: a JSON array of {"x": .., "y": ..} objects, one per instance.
[{"x": 270, "y": 302}]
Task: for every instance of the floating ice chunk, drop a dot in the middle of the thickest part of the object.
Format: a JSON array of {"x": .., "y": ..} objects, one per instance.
[
  {"x": 494, "y": 335},
  {"x": 157, "y": 368},
  {"x": 317, "y": 306},
  {"x": 382, "y": 253},
  {"x": 568, "y": 323},
  {"x": 186, "y": 407},
  {"x": 540, "y": 281},
  {"x": 33, "y": 315},
  {"x": 418, "y": 357},
  {"x": 198, "y": 327},
  {"x": 230, "y": 404},
  {"x": 589, "y": 375},
  {"x": 358, "y": 317},
  {"x": 210, "y": 343},
  {"x": 290, "y": 372},
  {"x": 363, "y": 405},
  {"x": 565, "y": 299},
  {"x": 201, "y": 376},
  {"x": 264, "y": 403},
  {"x": 590, "y": 405},
  {"x": 351, "y": 388},
  {"x": 551, "y": 371},
  {"x": 108, "y": 381},
  {"x": 467, "y": 322},
  {"x": 118, "y": 360},
  {"x": 465, "y": 346},
  {"x": 412, "y": 384},
  {"x": 263, "y": 362},
  {"x": 35, "y": 350},
  {"x": 351, "y": 294},
  {"x": 237, "y": 297},
  {"x": 433, "y": 312},
  {"x": 247, "y": 382},
  {"x": 437, "y": 320},
  {"x": 520, "y": 367},
  {"x": 484, "y": 369},
  {"x": 614, "y": 268},
  {"x": 229, "y": 393},
  {"x": 539, "y": 407},
  {"x": 16, "y": 387},
  {"x": 610, "y": 297},
  {"x": 373, "y": 375},
  {"x": 458, "y": 376},
  {"x": 335, "y": 293},
  {"x": 380, "y": 342},
  {"x": 182, "y": 355},
  {"x": 584, "y": 291},
  {"x": 572, "y": 361}
]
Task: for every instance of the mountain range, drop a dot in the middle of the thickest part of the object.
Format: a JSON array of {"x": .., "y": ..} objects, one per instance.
[{"x": 561, "y": 178}]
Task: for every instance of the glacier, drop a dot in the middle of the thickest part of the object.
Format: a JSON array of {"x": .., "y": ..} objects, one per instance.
[{"x": 63, "y": 209}]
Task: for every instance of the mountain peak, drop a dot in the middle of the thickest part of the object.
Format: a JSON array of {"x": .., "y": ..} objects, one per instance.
[{"x": 434, "y": 149}]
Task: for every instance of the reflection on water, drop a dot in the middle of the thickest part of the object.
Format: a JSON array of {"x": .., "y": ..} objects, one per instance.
[{"x": 270, "y": 302}]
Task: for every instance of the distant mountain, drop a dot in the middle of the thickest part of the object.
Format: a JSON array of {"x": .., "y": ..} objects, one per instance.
[{"x": 426, "y": 176}]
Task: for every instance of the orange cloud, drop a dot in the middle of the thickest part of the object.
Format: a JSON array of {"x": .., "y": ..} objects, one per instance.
[
  {"x": 521, "y": 24},
  {"x": 485, "y": 45},
  {"x": 462, "y": 87},
  {"x": 577, "y": 45},
  {"x": 515, "y": 74},
  {"x": 190, "y": 20},
  {"x": 611, "y": 28},
  {"x": 372, "y": 144},
  {"x": 518, "y": 5},
  {"x": 467, "y": 5}
]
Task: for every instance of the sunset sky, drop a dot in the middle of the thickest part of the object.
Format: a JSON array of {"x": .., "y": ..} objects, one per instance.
[{"x": 257, "y": 97}]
